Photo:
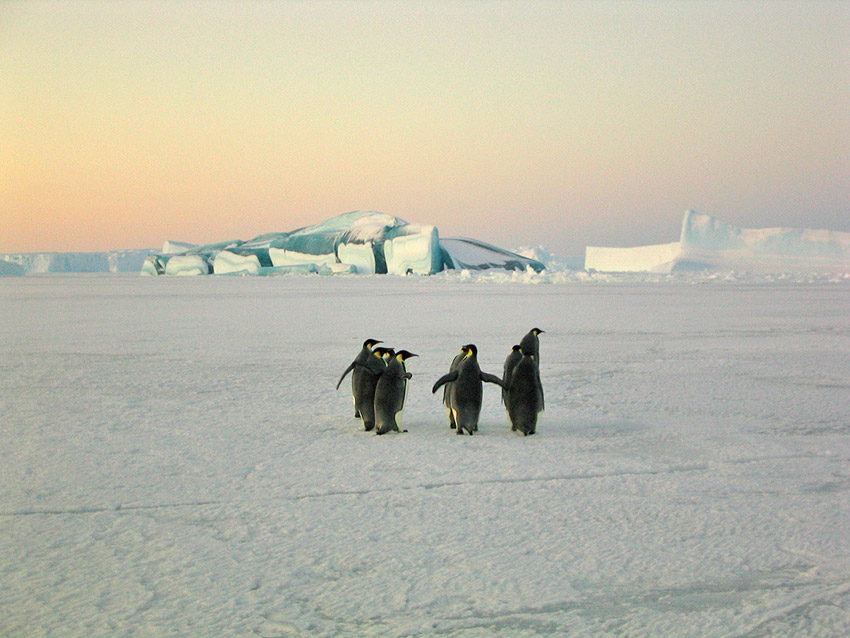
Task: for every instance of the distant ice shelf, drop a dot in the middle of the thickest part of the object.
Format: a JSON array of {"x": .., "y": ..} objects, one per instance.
[
  {"x": 708, "y": 243},
  {"x": 110, "y": 261}
]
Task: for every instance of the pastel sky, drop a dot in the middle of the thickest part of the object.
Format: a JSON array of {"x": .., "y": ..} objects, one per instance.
[{"x": 123, "y": 124}]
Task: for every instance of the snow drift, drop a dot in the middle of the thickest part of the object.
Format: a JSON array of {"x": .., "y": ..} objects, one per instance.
[{"x": 708, "y": 243}]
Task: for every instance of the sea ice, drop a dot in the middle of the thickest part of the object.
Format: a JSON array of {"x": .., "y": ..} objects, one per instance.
[{"x": 177, "y": 461}]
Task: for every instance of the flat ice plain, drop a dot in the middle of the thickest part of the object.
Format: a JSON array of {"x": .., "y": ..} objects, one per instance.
[{"x": 176, "y": 461}]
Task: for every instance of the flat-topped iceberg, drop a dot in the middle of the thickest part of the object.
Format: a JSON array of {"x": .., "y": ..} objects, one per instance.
[
  {"x": 365, "y": 242},
  {"x": 708, "y": 243}
]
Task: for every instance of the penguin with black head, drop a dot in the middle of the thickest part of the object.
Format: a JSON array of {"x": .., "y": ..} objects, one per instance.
[
  {"x": 525, "y": 395},
  {"x": 467, "y": 390},
  {"x": 391, "y": 392},
  {"x": 531, "y": 343},
  {"x": 365, "y": 370}
]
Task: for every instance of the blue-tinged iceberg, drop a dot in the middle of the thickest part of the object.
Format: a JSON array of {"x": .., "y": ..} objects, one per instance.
[
  {"x": 708, "y": 243},
  {"x": 365, "y": 242}
]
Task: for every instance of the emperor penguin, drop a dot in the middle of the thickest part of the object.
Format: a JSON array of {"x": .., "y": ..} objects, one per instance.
[
  {"x": 525, "y": 395},
  {"x": 365, "y": 370},
  {"x": 447, "y": 388},
  {"x": 513, "y": 358},
  {"x": 467, "y": 389},
  {"x": 531, "y": 343},
  {"x": 391, "y": 392}
]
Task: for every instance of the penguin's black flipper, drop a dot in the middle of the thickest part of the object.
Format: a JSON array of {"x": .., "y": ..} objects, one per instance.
[
  {"x": 446, "y": 378},
  {"x": 492, "y": 378},
  {"x": 347, "y": 370}
]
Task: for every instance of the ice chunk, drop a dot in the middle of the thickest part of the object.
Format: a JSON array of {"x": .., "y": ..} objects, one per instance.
[
  {"x": 361, "y": 256},
  {"x": 415, "y": 250},
  {"x": 154, "y": 265},
  {"x": 186, "y": 265},
  {"x": 282, "y": 257},
  {"x": 228, "y": 263},
  {"x": 176, "y": 247},
  {"x": 657, "y": 258},
  {"x": 338, "y": 269}
]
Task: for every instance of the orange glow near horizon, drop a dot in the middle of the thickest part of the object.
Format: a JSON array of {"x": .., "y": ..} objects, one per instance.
[{"x": 517, "y": 123}]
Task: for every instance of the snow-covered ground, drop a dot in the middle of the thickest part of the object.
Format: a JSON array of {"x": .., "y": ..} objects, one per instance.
[{"x": 176, "y": 461}]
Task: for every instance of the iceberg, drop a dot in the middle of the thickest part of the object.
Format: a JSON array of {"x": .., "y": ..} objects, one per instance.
[
  {"x": 708, "y": 243},
  {"x": 414, "y": 249},
  {"x": 462, "y": 253},
  {"x": 171, "y": 247},
  {"x": 362, "y": 242},
  {"x": 187, "y": 265},
  {"x": 228, "y": 263},
  {"x": 655, "y": 258},
  {"x": 360, "y": 256},
  {"x": 283, "y": 257}
]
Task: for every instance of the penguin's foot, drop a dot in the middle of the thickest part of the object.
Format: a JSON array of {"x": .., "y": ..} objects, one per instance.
[
  {"x": 452, "y": 426},
  {"x": 369, "y": 428}
]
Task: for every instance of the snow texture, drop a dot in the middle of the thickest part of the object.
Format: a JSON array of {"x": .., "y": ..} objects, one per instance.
[
  {"x": 709, "y": 243},
  {"x": 177, "y": 462}
]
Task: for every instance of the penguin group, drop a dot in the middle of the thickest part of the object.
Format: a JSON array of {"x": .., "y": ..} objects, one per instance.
[
  {"x": 379, "y": 379},
  {"x": 379, "y": 383}
]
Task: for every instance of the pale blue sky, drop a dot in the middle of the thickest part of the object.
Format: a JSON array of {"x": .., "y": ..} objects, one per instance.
[{"x": 559, "y": 123}]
